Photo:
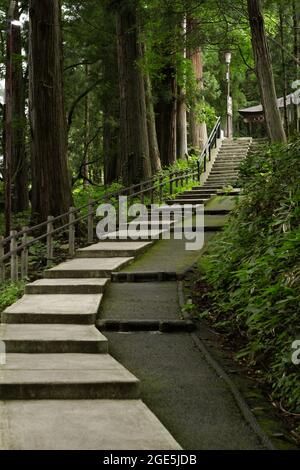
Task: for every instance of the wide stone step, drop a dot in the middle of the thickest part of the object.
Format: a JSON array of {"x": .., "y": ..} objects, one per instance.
[
  {"x": 49, "y": 339},
  {"x": 111, "y": 250},
  {"x": 203, "y": 194},
  {"x": 87, "y": 268},
  {"x": 153, "y": 234},
  {"x": 65, "y": 376},
  {"x": 225, "y": 174},
  {"x": 67, "y": 286},
  {"x": 81, "y": 425},
  {"x": 55, "y": 308}
]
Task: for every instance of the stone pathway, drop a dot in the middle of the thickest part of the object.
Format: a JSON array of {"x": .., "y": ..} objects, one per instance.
[{"x": 60, "y": 388}]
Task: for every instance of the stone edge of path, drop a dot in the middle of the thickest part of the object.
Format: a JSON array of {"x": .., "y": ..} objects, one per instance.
[{"x": 239, "y": 399}]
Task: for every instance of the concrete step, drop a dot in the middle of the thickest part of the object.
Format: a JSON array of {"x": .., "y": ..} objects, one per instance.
[
  {"x": 55, "y": 308},
  {"x": 201, "y": 194},
  {"x": 67, "y": 286},
  {"x": 223, "y": 159},
  {"x": 182, "y": 202},
  {"x": 81, "y": 425},
  {"x": 65, "y": 376},
  {"x": 225, "y": 175},
  {"x": 87, "y": 268},
  {"x": 111, "y": 250},
  {"x": 49, "y": 339},
  {"x": 148, "y": 235}
]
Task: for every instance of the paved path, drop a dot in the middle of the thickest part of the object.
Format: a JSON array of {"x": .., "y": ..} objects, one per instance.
[{"x": 61, "y": 389}]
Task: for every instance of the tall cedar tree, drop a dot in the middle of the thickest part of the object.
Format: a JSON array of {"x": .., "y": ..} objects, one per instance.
[
  {"x": 135, "y": 156},
  {"x": 264, "y": 72},
  {"x": 20, "y": 196},
  {"x": 51, "y": 192}
]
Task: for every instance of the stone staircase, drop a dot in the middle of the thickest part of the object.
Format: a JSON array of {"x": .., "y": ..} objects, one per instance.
[
  {"x": 224, "y": 173},
  {"x": 59, "y": 387}
]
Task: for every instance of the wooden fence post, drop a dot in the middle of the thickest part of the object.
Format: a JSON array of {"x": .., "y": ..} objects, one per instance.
[
  {"x": 91, "y": 221},
  {"x": 2, "y": 264},
  {"x": 71, "y": 231},
  {"x": 142, "y": 196},
  {"x": 13, "y": 257},
  {"x": 171, "y": 183},
  {"x": 160, "y": 189},
  {"x": 24, "y": 256},
  {"x": 49, "y": 239}
]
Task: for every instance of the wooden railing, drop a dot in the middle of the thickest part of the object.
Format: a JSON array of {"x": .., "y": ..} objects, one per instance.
[{"x": 14, "y": 250}]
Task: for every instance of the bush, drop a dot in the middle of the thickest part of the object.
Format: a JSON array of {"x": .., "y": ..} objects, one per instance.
[
  {"x": 254, "y": 269},
  {"x": 9, "y": 293}
]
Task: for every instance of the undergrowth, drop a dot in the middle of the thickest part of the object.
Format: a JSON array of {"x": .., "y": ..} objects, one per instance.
[{"x": 253, "y": 268}]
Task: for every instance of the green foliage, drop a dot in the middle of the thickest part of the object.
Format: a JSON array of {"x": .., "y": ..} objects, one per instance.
[
  {"x": 83, "y": 194},
  {"x": 254, "y": 269},
  {"x": 10, "y": 292}
]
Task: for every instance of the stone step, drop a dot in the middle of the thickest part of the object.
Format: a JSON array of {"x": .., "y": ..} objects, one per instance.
[
  {"x": 67, "y": 286},
  {"x": 65, "y": 376},
  {"x": 81, "y": 425},
  {"x": 199, "y": 192},
  {"x": 87, "y": 268},
  {"x": 111, "y": 250},
  {"x": 54, "y": 308},
  {"x": 221, "y": 180},
  {"x": 49, "y": 339},
  {"x": 202, "y": 194},
  {"x": 231, "y": 160},
  {"x": 234, "y": 174},
  {"x": 148, "y": 235},
  {"x": 226, "y": 165}
]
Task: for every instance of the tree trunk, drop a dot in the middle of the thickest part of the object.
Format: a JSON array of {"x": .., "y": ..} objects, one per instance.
[
  {"x": 182, "y": 144},
  {"x": 166, "y": 117},
  {"x": 296, "y": 13},
  {"x": 51, "y": 193},
  {"x": 20, "y": 197},
  {"x": 283, "y": 64},
  {"x": 152, "y": 135},
  {"x": 111, "y": 148},
  {"x": 85, "y": 171},
  {"x": 197, "y": 130},
  {"x": 135, "y": 157},
  {"x": 265, "y": 73}
]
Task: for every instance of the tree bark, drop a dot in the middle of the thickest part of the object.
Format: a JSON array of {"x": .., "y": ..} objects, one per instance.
[
  {"x": 265, "y": 73},
  {"x": 20, "y": 197},
  {"x": 86, "y": 135},
  {"x": 182, "y": 142},
  {"x": 182, "y": 145},
  {"x": 135, "y": 158},
  {"x": 296, "y": 14},
  {"x": 51, "y": 193},
  {"x": 152, "y": 135},
  {"x": 166, "y": 117},
  {"x": 197, "y": 130},
  {"x": 283, "y": 65}
]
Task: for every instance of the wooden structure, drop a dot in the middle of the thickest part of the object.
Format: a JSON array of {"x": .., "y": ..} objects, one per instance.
[{"x": 255, "y": 114}]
